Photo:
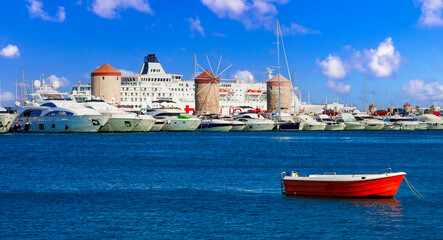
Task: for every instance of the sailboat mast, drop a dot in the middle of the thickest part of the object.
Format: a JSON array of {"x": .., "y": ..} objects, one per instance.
[{"x": 278, "y": 73}]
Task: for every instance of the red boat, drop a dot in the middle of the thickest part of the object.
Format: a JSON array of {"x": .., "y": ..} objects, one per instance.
[{"x": 383, "y": 185}]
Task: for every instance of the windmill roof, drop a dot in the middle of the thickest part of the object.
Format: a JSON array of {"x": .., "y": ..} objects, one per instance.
[
  {"x": 275, "y": 78},
  {"x": 372, "y": 105},
  {"x": 206, "y": 77},
  {"x": 407, "y": 104},
  {"x": 106, "y": 69}
]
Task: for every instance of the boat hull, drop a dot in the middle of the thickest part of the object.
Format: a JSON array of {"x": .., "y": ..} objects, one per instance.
[
  {"x": 335, "y": 127},
  {"x": 238, "y": 127},
  {"x": 354, "y": 127},
  {"x": 374, "y": 126},
  {"x": 313, "y": 127},
  {"x": 157, "y": 127},
  {"x": 145, "y": 125},
  {"x": 181, "y": 125},
  {"x": 120, "y": 125},
  {"x": 6, "y": 121},
  {"x": 435, "y": 126},
  {"x": 381, "y": 188},
  {"x": 288, "y": 126},
  {"x": 61, "y": 124},
  {"x": 214, "y": 127},
  {"x": 259, "y": 126}
]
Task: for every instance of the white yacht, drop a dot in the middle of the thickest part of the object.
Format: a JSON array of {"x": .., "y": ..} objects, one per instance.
[
  {"x": 48, "y": 110},
  {"x": 147, "y": 122},
  {"x": 433, "y": 122},
  {"x": 175, "y": 120},
  {"x": 350, "y": 121},
  {"x": 6, "y": 119},
  {"x": 287, "y": 122},
  {"x": 213, "y": 123},
  {"x": 119, "y": 121},
  {"x": 309, "y": 124},
  {"x": 372, "y": 124},
  {"x": 388, "y": 125},
  {"x": 404, "y": 123},
  {"x": 331, "y": 125},
  {"x": 255, "y": 122}
]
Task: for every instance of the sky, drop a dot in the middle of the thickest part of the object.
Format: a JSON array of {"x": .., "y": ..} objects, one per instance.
[{"x": 335, "y": 49}]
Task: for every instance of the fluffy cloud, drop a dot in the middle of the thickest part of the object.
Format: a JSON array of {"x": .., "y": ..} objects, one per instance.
[
  {"x": 64, "y": 82},
  {"x": 333, "y": 67},
  {"x": 385, "y": 60},
  {"x": 125, "y": 72},
  {"x": 242, "y": 74},
  {"x": 431, "y": 13},
  {"x": 110, "y": 8},
  {"x": 295, "y": 29},
  {"x": 7, "y": 96},
  {"x": 35, "y": 9},
  {"x": 10, "y": 51},
  {"x": 338, "y": 87},
  {"x": 424, "y": 92},
  {"x": 252, "y": 13},
  {"x": 195, "y": 26}
]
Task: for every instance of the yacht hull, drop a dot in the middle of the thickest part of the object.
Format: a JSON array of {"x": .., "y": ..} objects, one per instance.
[
  {"x": 205, "y": 127},
  {"x": 259, "y": 127},
  {"x": 6, "y": 121},
  {"x": 288, "y": 126},
  {"x": 145, "y": 125},
  {"x": 408, "y": 127},
  {"x": 157, "y": 127},
  {"x": 181, "y": 125},
  {"x": 120, "y": 125},
  {"x": 387, "y": 127},
  {"x": 61, "y": 124},
  {"x": 238, "y": 127},
  {"x": 374, "y": 127},
  {"x": 313, "y": 127},
  {"x": 354, "y": 127},
  {"x": 435, "y": 126},
  {"x": 422, "y": 127},
  {"x": 335, "y": 127}
]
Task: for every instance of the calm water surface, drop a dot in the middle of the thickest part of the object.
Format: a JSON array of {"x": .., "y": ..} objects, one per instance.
[{"x": 212, "y": 185}]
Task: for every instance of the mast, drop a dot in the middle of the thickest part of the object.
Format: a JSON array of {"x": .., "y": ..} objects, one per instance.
[
  {"x": 278, "y": 73},
  {"x": 16, "y": 90}
]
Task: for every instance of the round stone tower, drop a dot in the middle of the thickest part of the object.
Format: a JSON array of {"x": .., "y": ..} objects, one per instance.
[
  {"x": 272, "y": 93},
  {"x": 407, "y": 107},
  {"x": 207, "y": 96},
  {"x": 106, "y": 83},
  {"x": 372, "y": 108}
]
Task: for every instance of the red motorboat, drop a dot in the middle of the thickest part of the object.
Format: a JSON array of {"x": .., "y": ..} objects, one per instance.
[{"x": 382, "y": 185}]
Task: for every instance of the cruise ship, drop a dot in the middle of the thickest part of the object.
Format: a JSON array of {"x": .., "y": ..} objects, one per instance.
[{"x": 154, "y": 88}]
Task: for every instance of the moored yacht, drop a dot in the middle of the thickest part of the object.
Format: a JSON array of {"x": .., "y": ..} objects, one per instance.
[
  {"x": 119, "y": 120},
  {"x": 48, "y": 110},
  {"x": 255, "y": 122},
  {"x": 309, "y": 124},
  {"x": 433, "y": 122},
  {"x": 147, "y": 122},
  {"x": 175, "y": 120},
  {"x": 213, "y": 123},
  {"x": 236, "y": 126},
  {"x": 350, "y": 121},
  {"x": 404, "y": 123},
  {"x": 331, "y": 125},
  {"x": 287, "y": 122},
  {"x": 372, "y": 124},
  {"x": 6, "y": 119}
]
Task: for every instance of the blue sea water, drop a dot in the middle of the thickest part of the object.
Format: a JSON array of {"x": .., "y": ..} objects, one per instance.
[{"x": 212, "y": 185}]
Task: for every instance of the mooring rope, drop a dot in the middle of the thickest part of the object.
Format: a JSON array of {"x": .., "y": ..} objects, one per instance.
[{"x": 413, "y": 189}]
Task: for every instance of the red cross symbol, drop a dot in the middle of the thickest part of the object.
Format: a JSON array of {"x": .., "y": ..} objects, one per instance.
[{"x": 188, "y": 109}]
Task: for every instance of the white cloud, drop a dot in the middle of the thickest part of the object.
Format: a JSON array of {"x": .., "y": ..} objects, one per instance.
[
  {"x": 10, "y": 51},
  {"x": 126, "y": 72},
  {"x": 338, "y": 87},
  {"x": 295, "y": 29},
  {"x": 110, "y": 8},
  {"x": 385, "y": 60},
  {"x": 7, "y": 97},
  {"x": 333, "y": 67},
  {"x": 64, "y": 82},
  {"x": 252, "y": 13},
  {"x": 195, "y": 26},
  {"x": 242, "y": 74},
  {"x": 431, "y": 13},
  {"x": 35, "y": 9},
  {"x": 430, "y": 92}
]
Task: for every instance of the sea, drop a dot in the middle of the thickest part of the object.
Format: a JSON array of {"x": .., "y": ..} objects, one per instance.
[{"x": 213, "y": 185}]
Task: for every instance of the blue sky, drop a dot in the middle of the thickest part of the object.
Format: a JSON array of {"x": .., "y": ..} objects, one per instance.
[{"x": 333, "y": 46}]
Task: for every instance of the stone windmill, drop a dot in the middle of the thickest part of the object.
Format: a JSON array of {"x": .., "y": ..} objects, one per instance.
[{"x": 207, "y": 85}]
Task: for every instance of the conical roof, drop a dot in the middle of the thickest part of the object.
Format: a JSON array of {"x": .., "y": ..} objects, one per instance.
[
  {"x": 207, "y": 77},
  {"x": 407, "y": 104},
  {"x": 106, "y": 70},
  {"x": 372, "y": 105},
  {"x": 274, "y": 81}
]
